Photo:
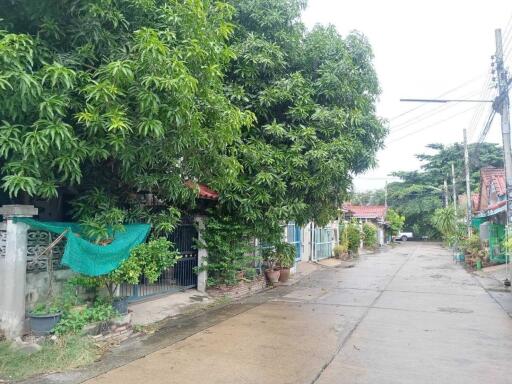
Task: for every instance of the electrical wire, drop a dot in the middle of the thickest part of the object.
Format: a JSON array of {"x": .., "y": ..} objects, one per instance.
[
  {"x": 432, "y": 125},
  {"x": 427, "y": 115},
  {"x": 441, "y": 95}
]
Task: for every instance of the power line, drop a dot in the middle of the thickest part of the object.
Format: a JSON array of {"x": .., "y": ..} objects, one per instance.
[
  {"x": 427, "y": 115},
  {"x": 441, "y": 95},
  {"x": 431, "y": 125}
]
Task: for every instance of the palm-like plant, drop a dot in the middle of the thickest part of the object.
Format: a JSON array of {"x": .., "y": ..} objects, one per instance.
[{"x": 445, "y": 221}]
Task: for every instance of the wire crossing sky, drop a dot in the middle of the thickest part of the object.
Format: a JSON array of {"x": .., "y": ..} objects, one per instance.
[{"x": 434, "y": 49}]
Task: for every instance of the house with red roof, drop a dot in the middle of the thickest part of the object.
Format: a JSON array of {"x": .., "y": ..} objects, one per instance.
[
  {"x": 492, "y": 198},
  {"x": 490, "y": 215},
  {"x": 375, "y": 214}
]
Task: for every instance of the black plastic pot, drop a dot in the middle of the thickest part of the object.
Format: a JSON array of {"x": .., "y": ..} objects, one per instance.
[
  {"x": 42, "y": 325},
  {"x": 120, "y": 304}
]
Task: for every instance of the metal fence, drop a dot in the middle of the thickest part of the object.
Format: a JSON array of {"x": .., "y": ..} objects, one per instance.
[
  {"x": 323, "y": 243},
  {"x": 178, "y": 278}
]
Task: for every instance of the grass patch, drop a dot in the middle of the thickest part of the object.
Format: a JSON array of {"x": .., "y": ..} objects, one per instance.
[{"x": 64, "y": 353}]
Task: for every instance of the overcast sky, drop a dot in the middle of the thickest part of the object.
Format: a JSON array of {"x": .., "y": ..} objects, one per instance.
[{"x": 422, "y": 50}]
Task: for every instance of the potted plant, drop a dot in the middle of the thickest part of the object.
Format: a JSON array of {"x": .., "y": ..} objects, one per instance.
[
  {"x": 270, "y": 258},
  {"x": 286, "y": 258},
  {"x": 43, "y": 318}
]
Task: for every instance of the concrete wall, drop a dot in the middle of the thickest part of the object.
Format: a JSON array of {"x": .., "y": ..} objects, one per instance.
[{"x": 36, "y": 289}]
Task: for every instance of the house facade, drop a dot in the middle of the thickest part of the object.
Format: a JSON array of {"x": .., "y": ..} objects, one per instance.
[
  {"x": 375, "y": 214},
  {"x": 489, "y": 216}
]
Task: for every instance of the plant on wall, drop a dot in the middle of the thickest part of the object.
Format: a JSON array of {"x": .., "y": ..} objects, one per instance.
[{"x": 230, "y": 253}]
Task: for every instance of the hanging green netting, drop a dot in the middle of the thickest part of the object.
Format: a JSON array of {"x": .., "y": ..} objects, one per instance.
[{"x": 89, "y": 258}]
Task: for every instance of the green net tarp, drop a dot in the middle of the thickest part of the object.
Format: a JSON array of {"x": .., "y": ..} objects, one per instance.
[{"x": 89, "y": 258}]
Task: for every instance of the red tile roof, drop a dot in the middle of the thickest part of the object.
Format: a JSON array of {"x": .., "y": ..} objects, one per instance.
[
  {"x": 367, "y": 211},
  {"x": 497, "y": 205},
  {"x": 204, "y": 191},
  {"x": 497, "y": 177}
]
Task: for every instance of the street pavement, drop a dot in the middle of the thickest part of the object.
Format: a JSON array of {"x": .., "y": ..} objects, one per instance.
[{"x": 405, "y": 315}]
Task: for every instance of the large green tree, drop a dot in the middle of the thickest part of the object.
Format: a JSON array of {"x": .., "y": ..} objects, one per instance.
[
  {"x": 313, "y": 94},
  {"x": 420, "y": 193},
  {"x": 123, "y": 94},
  {"x": 112, "y": 97}
]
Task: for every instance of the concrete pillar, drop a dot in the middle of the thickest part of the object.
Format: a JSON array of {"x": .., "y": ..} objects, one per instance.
[
  {"x": 13, "y": 269},
  {"x": 202, "y": 256}
]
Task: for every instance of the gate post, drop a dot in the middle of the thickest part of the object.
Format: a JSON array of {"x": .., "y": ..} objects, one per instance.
[
  {"x": 202, "y": 256},
  {"x": 13, "y": 269}
]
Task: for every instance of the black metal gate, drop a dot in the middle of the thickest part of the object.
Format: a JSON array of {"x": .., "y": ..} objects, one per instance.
[{"x": 178, "y": 278}]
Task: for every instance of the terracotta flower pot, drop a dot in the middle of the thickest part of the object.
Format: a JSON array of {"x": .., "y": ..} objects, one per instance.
[
  {"x": 284, "y": 275},
  {"x": 273, "y": 275}
]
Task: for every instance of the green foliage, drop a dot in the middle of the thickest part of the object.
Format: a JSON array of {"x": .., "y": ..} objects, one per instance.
[
  {"x": 395, "y": 221},
  {"x": 73, "y": 321},
  {"x": 45, "y": 309},
  {"x": 285, "y": 254},
  {"x": 473, "y": 246},
  {"x": 147, "y": 259},
  {"x": 313, "y": 95},
  {"x": 420, "y": 193},
  {"x": 369, "y": 235},
  {"x": 229, "y": 251},
  {"x": 353, "y": 234},
  {"x": 151, "y": 258},
  {"x": 375, "y": 197},
  {"x": 445, "y": 220},
  {"x": 125, "y": 95},
  {"x": 137, "y": 97}
]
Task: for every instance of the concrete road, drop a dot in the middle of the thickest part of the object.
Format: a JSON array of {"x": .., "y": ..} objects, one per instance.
[{"x": 407, "y": 315}]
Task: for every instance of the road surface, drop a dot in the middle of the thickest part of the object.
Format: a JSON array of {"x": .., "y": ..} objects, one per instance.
[{"x": 406, "y": 315}]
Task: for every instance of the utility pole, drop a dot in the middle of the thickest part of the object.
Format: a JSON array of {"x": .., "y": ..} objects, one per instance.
[
  {"x": 454, "y": 189},
  {"x": 468, "y": 185},
  {"x": 502, "y": 107},
  {"x": 445, "y": 193}
]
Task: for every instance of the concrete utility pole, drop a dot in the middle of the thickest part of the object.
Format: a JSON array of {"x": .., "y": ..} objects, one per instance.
[
  {"x": 468, "y": 185},
  {"x": 445, "y": 193},
  {"x": 454, "y": 189},
  {"x": 503, "y": 108}
]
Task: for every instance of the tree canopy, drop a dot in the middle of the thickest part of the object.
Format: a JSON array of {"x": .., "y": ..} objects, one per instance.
[
  {"x": 420, "y": 193},
  {"x": 118, "y": 97},
  {"x": 313, "y": 94},
  {"x": 126, "y": 95}
]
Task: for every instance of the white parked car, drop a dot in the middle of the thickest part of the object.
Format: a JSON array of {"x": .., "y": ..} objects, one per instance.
[{"x": 404, "y": 236}]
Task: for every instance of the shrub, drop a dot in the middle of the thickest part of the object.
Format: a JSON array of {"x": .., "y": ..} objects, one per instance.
[
  {"x": 229, "y": 251},
  {"x": 353, "y": 237},
  {"x": 395, "y": 221},
  {"x": 148, "y": 259},
  {"x": 369, "y": 235},
  {"x": 74, "y": 322},
  {"x": 285, "y": 255},
  {"x": 340, "y": 251}
]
